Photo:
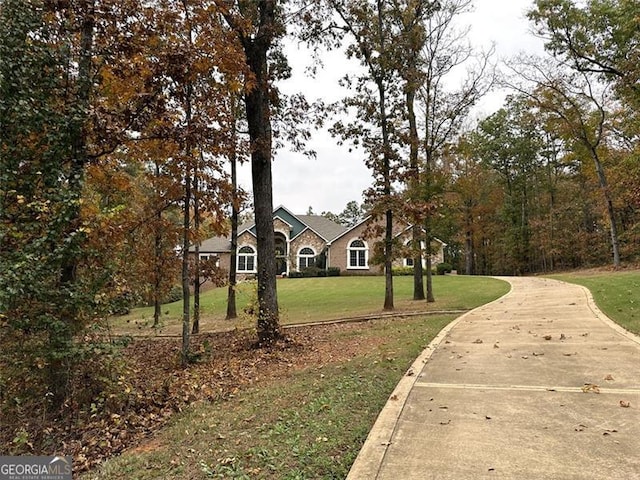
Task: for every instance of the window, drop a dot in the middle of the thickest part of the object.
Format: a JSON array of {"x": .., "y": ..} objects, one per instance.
[
  {"x": 358, "y": 254},
  {"x": 246, "y": 259},
  {"x": 306, "y": 258},
  {"x": 204, "y": 257}
]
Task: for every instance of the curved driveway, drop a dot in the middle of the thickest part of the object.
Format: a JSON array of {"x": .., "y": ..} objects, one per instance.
[{"x": 537, "y": 385}]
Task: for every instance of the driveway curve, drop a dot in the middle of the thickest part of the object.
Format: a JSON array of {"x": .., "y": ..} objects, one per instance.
[{"x": 539, "y": 384}]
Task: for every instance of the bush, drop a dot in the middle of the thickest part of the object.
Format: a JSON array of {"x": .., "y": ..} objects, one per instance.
[
  {"x": 174, "y": 294},
  {"x": 311, "y": 272},
  {"x": 333, "y": 272},
  {"x": 443, "y": 268},
  {"x": 402, "y": 271}
]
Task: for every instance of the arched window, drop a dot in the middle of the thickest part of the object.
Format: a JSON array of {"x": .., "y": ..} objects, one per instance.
[
  {"x": 306, "y": 258},
  {"x": 246, "y": 259},
  {"x": 357, "y": 254}
]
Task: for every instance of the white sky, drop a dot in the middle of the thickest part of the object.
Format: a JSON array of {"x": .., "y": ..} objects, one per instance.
[{"x": 338, "y": 176}]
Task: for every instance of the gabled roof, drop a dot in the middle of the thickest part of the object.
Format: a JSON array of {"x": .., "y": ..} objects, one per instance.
[{"x": 323, "y": 226}]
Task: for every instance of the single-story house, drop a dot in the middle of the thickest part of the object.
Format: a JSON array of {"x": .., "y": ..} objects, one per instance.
[{"x": 311, "y": 240}]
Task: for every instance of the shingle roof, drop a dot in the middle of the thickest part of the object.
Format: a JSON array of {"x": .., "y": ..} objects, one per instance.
[
  {"x": 214, "y": 244},
  {"x": 323, "y": 226},
  {"x": 326, "y": 228}
]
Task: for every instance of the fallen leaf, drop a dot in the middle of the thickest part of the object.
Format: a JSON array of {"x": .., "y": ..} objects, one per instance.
[
  {"x": 487, "y": 417},
  {"x": 538, "y": 354},
  {"x": 495, "y": 345},
  {"x": 609, "y": 377},
  {"x": 477, "y": 340},
  {"x": 590, "y": 387},
  {"x": 446, "y": 423},
  {"x": 625, "y": 404},
  {"x": 547, "y": 337},
  {"x": 393, "y": 397},
  {"x": 525, "y": 356},
  {"x": 562, "y": 336}
]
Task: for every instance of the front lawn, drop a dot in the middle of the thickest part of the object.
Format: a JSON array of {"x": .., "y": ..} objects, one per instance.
[{"x": 304, "y": 300}]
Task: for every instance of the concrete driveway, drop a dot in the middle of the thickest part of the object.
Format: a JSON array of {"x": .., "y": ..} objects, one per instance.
[{"x": 537, "y": 385}]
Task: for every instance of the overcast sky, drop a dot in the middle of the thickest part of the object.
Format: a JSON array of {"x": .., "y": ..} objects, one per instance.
[{"x": 338, "y": 176}]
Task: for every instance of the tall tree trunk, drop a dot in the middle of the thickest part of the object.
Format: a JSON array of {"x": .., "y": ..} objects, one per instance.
[
  {"x": 469, "y": 243},
  {"x": 386, "y": 173},
  {"x": 195, "y": 328},
  {"x": 260, "y": 135},
  {"x": 602, "y": 179},
  {"x": 414, "y": 185},
  {"x": 428, "y": 237},
  {"x": 157, "y": 256},
  {"x": 231, "y": 294},
  {"x": 186, "y": 225}
]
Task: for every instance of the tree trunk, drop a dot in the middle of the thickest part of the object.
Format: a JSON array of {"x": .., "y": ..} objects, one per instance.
[
  {"x": 157, "y": 270},
  {"x": 186, "y": 225},
  {"x": 427, "y": 225},
  {"x": 260, "y": 135},
  {"x": 469, "y": 244},
  {"x": 414, "y": 185},
  {"x": 602, "y": 179},
  {"x": 195, "y": 328},
  {"x": 186, "y": 296},
  {"x": 231, "y": 294},
  {"x": 386, "y": 173}
]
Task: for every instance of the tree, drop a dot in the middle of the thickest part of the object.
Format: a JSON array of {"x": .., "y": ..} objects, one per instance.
[
  {"x": 580, "y": 103},
  {"x": 365, "y": 22},
  {"x": 44, "y": 112},
  {"x": 597, "y": 36},
  {"x": 444, "y": 108},
  {"x": 257, "y": 26}
]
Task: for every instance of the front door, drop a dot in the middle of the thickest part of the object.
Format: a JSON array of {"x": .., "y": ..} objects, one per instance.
[{"x": 281, "y": 254}]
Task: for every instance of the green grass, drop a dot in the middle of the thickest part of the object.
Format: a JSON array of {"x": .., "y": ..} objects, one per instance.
[
  {"x": 312, "y": 423},
  {"x": 304, "y": 300},
  {"x": 617, "y": 294}
]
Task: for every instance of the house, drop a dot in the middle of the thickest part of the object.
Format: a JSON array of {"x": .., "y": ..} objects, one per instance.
[{"x": 311, "y": 240}]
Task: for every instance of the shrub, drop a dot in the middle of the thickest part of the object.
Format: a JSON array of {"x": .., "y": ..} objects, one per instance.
[
  {"x": 295, "y": 274},
  {"x": 333, "y": 272},
  {"x": 402, "y": 271},
  {"x": 443, "y": 268},
  {"x": 174, "y": 294},
  {"x": 311, "y": 272}
]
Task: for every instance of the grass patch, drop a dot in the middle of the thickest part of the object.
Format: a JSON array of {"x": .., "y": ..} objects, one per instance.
[
  {"x": 304, "y": 300},
  {"x": 308, "y": 423},
  {"x": 617, "y": 294}
]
